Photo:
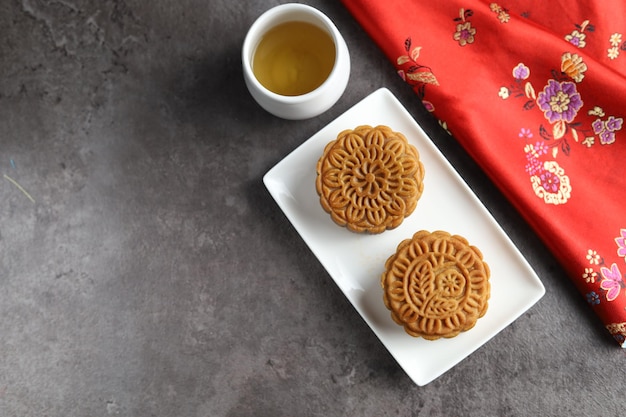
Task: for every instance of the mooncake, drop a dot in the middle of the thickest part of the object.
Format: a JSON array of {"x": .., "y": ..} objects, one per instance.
[
  {"x": 436, "y": 285},
  {"x": 369, "y": 179}
]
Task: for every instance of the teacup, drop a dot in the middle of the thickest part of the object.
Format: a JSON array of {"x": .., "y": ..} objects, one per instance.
[{"x": 302, "y": 104}]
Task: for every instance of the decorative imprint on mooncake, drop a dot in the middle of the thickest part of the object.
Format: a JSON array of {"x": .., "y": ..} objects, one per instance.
[
  {"x": 436, "y": 285},
  {"x": 369, "y": 179}
]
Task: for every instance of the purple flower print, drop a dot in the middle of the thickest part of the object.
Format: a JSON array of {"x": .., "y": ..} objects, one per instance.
[
  {"x": 559, "y": 101},
  {"x": 614, "y": 123},
  {"x": 525, "y": 133},
  {"x": 607, "y": 137},
  {"x": 612, "y": 281},
  {"x": 606, "y": 129},
  {"x": 598, "y": 126},
  {"x": 549, "y": 181},
  {"x": 621, "y": 243},
  {"x": 541, "y": 148},
  {"x": 521, "y": 72},
  {"x": 534, "y": 165}
]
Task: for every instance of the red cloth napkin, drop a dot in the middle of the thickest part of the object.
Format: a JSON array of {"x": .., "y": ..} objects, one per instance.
[{"x": 535, "y": 91}]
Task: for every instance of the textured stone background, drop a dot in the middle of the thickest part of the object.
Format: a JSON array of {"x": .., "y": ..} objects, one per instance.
[{"x": 153, "y": 275}]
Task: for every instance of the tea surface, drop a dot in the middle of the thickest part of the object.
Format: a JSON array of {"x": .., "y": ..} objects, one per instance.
[{"x": 294, "y": 58}]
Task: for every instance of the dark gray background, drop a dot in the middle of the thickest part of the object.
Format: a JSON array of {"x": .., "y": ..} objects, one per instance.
[{"x": 155, "y": 276}]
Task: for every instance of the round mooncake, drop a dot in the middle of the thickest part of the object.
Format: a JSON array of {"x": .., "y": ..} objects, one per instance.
[
  {"x": 369, "y": 179},
  {"x": 436, "y": 285}
]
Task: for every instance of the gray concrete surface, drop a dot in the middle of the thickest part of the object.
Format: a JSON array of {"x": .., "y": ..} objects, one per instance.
[{"x": 153, "y": 275}]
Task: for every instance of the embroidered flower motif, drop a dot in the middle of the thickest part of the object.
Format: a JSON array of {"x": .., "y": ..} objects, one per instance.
[
  {"x": 559, "y": 101},
  {"x": 549, "y": 181},
  {"x": 614, "y": 123},
  {"x": 464, "y": 33},
  {"x": 504, "y": 93},
  {"x": 541, "y": 148},
  {"x": 503, "y": 14},
  {"x": 615, "y": 39},
  {"x": 597, "y": 126},
  {"x": 607, "y": 137},
  {"x": 590, "y": 275},
  {"x": 596, "y": 111},
  {"x": 611, "y": 282},
  {"x": 525, "y": 133},
  {"x": 534, "y": 165},
  {"x": 521, "y": 72},
  {"x": 593, "y": 298},
  {"x": 577, "y": 39},
  {"x": 621, "y": 243},
  {"x": 573, "y": 66},
  {"x": 593, "y": 257},
  {"x": 605, "y": 129},
  {"x": 552, "y": 184}
]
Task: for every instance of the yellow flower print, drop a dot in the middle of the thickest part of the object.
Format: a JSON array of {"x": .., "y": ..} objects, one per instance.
[
  {"x": 573, "y": 66},
  {"x": 503, "y": 14},
  {"x": 596, "y": 111},
  {"x": 615, "y": 39},
  {"x": 593, "y": 257},
  {"x": 590, "y": 275}
]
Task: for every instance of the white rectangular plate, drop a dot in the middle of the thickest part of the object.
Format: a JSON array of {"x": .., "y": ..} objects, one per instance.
[{"x": 356, "y": 261}]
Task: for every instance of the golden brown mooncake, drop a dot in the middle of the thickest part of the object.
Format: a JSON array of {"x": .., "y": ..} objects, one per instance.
[
  {"x": 369, "y": 179},
  {"x": 436, "y": 285}
]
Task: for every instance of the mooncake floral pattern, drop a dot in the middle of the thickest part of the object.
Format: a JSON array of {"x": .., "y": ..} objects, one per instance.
[
  {"x": 369, "y": 179},
  {"x": 436, "y": 285}
]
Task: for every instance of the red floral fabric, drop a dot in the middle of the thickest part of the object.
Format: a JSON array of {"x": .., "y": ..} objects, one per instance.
[{"x": 535, "y": 91}]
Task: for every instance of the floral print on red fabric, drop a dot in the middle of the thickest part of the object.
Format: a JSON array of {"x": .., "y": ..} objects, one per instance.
[
  {"x": 616, "y": 46},
  {"x": 414, "y": 74},
  {"x": 621, "y": 244},
  {"x": 605, "y": 284},
  {"x": 547, "y": 178},
  {"x": 573, "y": 66},
  {"x": 465, "y": 32},
  {"x": 560, "y": 102},
  {"x": 577, "y": 37},
  {"x": 604, "y": 128},
  {"x": 611, "y": 282},
  {"x": 502, "y": 13}
]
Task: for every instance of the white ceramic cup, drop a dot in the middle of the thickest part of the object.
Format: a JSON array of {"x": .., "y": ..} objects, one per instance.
[{"x": 306, "y": 105}]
